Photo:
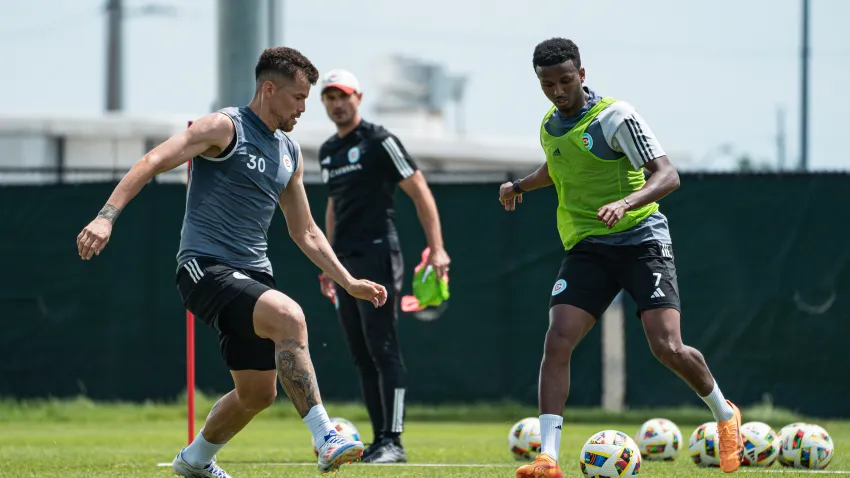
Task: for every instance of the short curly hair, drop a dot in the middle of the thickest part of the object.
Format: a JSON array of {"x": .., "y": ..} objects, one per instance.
[
  {"x": 286, "y": 62},
  {"x": 555, "y": 51}
]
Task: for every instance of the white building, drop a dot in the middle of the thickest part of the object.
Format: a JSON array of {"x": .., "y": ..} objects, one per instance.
[{"x": 40, "y": 150}]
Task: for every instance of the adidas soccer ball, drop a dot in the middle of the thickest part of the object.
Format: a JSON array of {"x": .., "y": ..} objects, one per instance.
[
  {"x": 783, "y": 434},
  {"x": 703, "y": 445},
  {"x": 524, "y": 439},
  {"x": 808, "y": 447},
  {"x": 344, "y": 428},
  {"x": 659, "y": 439},
  {"x": 761, "y": 444},
  {"x": 610, "y": 453}
]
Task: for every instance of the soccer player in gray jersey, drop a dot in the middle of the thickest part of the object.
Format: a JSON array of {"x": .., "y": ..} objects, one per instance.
[{"x": 244, "y": 167}]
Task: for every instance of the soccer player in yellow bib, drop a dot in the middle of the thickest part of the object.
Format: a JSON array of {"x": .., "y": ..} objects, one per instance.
[{"x": 615, "y": 238}]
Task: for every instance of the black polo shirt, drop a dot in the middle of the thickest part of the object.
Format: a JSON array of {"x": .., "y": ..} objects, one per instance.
[{"x": 361, "y": 171}]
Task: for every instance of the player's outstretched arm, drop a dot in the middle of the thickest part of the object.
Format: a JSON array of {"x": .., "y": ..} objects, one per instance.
[
  {"x": 211, "y": 134},
  {"x": 310, "y": 239},
  {"x": 511, "y": 193},
  {"x": 417, "y": 188}
]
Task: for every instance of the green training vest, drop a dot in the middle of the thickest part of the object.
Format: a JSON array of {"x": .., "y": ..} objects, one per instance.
[{"x": 585, "y": 182}]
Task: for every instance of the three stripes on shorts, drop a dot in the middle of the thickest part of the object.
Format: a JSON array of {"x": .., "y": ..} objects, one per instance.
[{"x": 195, "y": 272}]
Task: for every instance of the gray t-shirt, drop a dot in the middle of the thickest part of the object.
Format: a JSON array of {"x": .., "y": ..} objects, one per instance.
[{"x": 232, "y": 198}]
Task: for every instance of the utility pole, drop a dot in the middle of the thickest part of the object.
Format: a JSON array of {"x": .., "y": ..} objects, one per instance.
[
  {"x": 242, "y": 35},
  {"x": 804, "y": 92},
  {"x": 116, "y": 14},
  {"x": 274, "y": 12},
  {"x": 114, "y": 63},
  {"x": 780, "y": 139}
]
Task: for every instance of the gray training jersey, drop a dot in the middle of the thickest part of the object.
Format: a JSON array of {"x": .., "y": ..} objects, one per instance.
[{"x": 232, "y": 198}]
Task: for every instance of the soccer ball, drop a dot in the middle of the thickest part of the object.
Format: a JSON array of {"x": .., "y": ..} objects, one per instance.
[
  {"x": 703, "y": 445},
  {"x": 344, "y": 428},
  {"x": 783, "y": 434},
  {"x": 659, "y": 439},
  {"x": 761, "y": 444},
  {"x": 808, "y": 447},
  {"x": 610, "y": 453},
  {"x": 524, "y": 439}
]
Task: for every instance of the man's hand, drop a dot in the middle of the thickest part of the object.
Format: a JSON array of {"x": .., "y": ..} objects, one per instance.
[
  {"x": 328, "y": 286},
  {"x": 439, "y": 260},
  {"x": 94, "y": 237},
  {"x": 611, "y": 214},
  {"x": 508, "y": 197},
  {"x": 368, "y": 290}
]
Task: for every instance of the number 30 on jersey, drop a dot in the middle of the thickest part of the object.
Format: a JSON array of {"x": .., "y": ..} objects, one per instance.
[{"x": 256, "y": 163}]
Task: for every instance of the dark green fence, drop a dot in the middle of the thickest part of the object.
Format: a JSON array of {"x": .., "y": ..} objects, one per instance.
[
  {"x": 764, "y": 276},
  {"x": 762, "y": 264}
]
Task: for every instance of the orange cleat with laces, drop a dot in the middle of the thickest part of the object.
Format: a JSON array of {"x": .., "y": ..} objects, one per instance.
[
  {"x": 731, "y": 442},
  {"x": 544, "y": 466}
]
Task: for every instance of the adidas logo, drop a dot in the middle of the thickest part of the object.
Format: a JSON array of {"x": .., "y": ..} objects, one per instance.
[
  {"x": 657, "y": 294},
  {"x": 326, "y": 161},
  {"x": 557, "y": 152}
]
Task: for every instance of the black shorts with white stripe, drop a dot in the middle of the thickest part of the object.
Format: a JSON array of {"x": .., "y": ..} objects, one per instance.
[
  {"x": 592, "y": 275},
  {"x": 223, "y": 298}
]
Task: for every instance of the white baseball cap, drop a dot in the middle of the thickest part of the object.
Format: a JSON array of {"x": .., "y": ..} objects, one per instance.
[{"x": 342, "y": 79}]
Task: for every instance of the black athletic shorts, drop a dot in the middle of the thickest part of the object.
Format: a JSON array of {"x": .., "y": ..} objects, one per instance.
[
  {"x": 223, "y": 298},
  {"x": 593, "y": 274}
]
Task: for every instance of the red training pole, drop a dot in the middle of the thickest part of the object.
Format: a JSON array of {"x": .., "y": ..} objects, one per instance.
[
  {"x": 190, "y": 347},
  {"x": 190, "y": 373}
]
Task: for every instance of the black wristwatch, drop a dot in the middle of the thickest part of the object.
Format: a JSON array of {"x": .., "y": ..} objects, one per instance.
[{"x": 517, "y": 189}]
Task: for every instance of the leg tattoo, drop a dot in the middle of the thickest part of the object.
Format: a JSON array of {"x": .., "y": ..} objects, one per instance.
[{"x": 296, "y": 374}]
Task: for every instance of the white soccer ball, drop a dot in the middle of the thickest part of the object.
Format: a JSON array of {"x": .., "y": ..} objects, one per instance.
[
  {"x": 789, "y": 429},
  {"x": 610, "y": 453},
  {"x": 704, "y": 446},
  {"x": 659, "y": 439},
  {"x": 524, "y": 439},
  {"x": 808, "y": 447},
  {"x": 761, "y": 444},
  {"x": 344, "y": 428}
]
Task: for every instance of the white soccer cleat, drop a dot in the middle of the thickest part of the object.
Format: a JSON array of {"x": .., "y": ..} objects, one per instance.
[
  {"x": 337, "y": 451},
  {"x": 183, "y": 468}
]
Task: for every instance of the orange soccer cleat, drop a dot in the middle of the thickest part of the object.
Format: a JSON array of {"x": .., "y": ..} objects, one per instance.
[
  {"x": 544, "y": 466},
  {"x": 731, "y": 443}
]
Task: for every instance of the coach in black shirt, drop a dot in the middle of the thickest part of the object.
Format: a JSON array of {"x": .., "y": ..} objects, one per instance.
[{"x": 361, "y": 165}]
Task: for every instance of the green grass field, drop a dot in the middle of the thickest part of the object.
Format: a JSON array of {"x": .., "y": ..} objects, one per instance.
[{"x": 79, "y": 438}]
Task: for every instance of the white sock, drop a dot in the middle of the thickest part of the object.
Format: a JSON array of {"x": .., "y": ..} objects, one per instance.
[
  {"x": 319, "y": 424},
  {"x": 718, "y": 405},
  {"x": 550, "y": 434},
  {"x": 200, "y": 452}
]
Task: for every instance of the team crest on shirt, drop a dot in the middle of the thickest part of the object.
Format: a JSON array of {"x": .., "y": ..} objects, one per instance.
[
  {"x": 353, "y": 155},
  {"x": 587, "y": 141},
  {"x": 287, "y": 163},
  {"x": 560, "y": 286}
]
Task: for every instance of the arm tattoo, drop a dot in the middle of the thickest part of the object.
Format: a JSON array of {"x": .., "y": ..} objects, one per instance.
[
  {"x": 109, "y": 212},
  {"x": 296, "y": 374}
]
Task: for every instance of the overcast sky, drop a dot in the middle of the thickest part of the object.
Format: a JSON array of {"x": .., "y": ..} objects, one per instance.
[{"x": 703, "y": 74}]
